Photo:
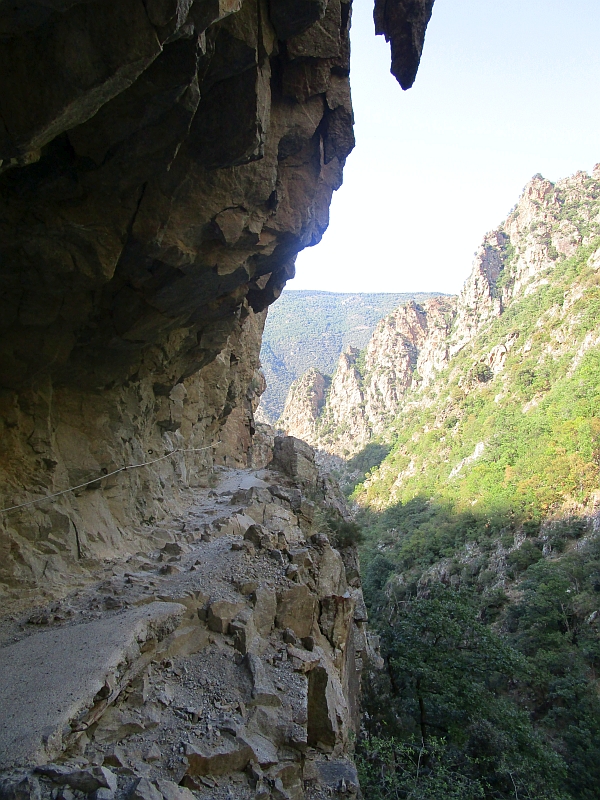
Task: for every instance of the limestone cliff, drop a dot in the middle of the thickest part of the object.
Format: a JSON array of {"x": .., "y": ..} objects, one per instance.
[{"x": 416, "y": 341}]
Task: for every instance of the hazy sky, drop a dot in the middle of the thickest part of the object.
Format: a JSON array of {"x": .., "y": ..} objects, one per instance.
[{"x": 506, "y": 89}]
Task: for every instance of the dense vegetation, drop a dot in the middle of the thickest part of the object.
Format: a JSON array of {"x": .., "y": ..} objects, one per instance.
[
  {"x": 481, "y": 564},
  {"x": 310, "y": 329}
]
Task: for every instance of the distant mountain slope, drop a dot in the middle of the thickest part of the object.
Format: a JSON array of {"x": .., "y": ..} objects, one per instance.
[
  {"x": 529, "y": 278},
  {"x": 307, "y": 329}
]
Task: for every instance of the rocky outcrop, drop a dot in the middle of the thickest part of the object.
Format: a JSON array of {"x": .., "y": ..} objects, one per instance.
[
  {"x": 407, "y": 347},
  {"x": 223, "y": 661},
  {"x": 413, "y": 343},
  {"x": 304, "y": 404}
]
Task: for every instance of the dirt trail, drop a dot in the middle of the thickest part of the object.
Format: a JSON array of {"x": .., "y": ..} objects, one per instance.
[{"x": 240, "y": 683}]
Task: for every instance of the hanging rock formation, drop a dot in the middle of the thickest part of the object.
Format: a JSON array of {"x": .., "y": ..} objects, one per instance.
[{"x": 162, "y": 162}]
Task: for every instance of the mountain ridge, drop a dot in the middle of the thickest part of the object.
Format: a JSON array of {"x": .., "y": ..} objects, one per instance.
[{"x": 310, "y": 328}]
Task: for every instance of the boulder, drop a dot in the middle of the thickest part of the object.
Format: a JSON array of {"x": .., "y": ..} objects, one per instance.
[
  {"x": 296, "y": 609},
  {"x": 335, "y": 619},
  {"x": 264, "y": 601},
  {"x": 229, "y": 754},
  {"x": 296, "y": 459},
  {"x": 220, "y": 614},
  {"x": 263, "y": 691}
]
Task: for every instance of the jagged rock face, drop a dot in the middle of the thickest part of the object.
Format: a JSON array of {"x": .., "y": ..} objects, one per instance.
[
  {"x": 415, "y": 342},
  {"x": 163, "y": 162},
  {"x": 305, "y": 403},
  {"x": 404, "y": 344}
]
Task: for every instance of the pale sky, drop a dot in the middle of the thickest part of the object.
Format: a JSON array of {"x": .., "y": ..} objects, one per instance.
[{"x": 506, "y": 89}]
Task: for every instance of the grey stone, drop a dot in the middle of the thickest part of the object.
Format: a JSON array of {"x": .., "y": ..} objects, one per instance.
[
  {"x": 296, "y": 609},
  {"x": 171, "y": 791},
  {"x": 263, "y": 691},
  {"x": 220, "y": 614},
  {"x": 264, "y": 601},
  {"x": 83, "y": 780},
  {"x": 19, "y": 787},
  {"x": 41, "y": 695},
  {"x": 293, "y": 17},
  {"x": 144, "y": 790}
]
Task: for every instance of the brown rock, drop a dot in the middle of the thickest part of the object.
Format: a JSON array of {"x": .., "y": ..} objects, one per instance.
[
  {"x": 229, "y": 755},
  {"x": 293, "y": 17},
  {"x": 264, "y": 600},
  {"x": 220, "y": 614},
  {"x": 296, "y": 609},
  {"x": 404, "y": 22}
]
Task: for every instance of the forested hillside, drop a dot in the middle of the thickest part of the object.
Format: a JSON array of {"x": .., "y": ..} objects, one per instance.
[
  {"x": 307, "y": 329},
  {"x": 481, "y": 518}
]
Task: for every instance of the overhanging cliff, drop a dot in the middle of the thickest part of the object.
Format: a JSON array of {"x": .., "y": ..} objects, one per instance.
[{"x": 163, "y": 162}]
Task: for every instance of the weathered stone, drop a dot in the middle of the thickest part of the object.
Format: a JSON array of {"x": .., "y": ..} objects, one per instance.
[
  {"x": 244, "y": 631},
  {"x": 296, "y": 459},
  {"x": 360, "y": 608},
  {"x": 404, "y": 22},
  {"x": 293, "y": 17},
  {"x": 20, "y": 787},
  {"x": 264, "y": 600},
  {"x": 34, "y": 712},
  {"x": 58, "y": 89},
  {"x": 103, "y": 794},
  {"x": 296, "y": 609},
  {"x": 220, "y": 141},
  {"x": 220, "y": 614},
  {"x": 145, "y": 790},
  {"x": 332, "y": 774},
  {"x": 332, "y": 575},
  {"x": 229, "y": 755},
  {"x": 263, "y": 691},
  {"x": 261, "y": 537},
  {"x": 84, "y": 780},
  {"x": 171, "y": 791},
  {"x": 322, "y": 39},
  {"x": 117, "y": 724},
  {"x": 153, "y": 753},
  {"x": 303, "y": 660},
  {"x": 336, "y": 618}
]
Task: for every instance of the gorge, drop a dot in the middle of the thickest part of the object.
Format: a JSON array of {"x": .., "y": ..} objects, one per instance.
[
  {"x": 175, "y": 623},
  {"x": 183, "y": 615},
  {"x": 467, "y": 434}
]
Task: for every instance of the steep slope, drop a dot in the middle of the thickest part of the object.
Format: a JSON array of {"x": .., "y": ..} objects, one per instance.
[
  {"x": 309, "y": 329},
  {"x": 525, "y": 335},
  {"x": 482, "y": 523}
]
